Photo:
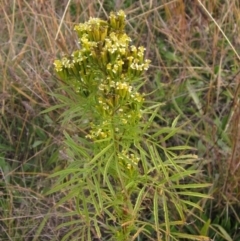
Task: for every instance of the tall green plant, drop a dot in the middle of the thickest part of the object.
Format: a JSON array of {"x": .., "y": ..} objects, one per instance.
[{"x": 122, "y": 183}]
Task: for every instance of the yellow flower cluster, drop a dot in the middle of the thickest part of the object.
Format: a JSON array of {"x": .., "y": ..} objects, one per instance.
[
  {"x": 105, "y": 44},
  {"x": 105, "y": 67},
  {"x": 128, "y": 160}
]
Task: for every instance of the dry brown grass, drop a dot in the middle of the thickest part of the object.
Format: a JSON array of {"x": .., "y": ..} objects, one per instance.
[{"x": 194, "y": 60}]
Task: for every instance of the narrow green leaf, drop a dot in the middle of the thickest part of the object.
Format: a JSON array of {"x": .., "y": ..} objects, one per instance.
[
  {"x": 74, "y": 191},
  {"x": 99, "y": 235},
  {"x": 194, "y": 96},
  {"x": 66, "y": 171},
  {"x": 36, "y": 143},
  {"x": 62, "y": 186},
  {"x": 171, "y": 134},
  {"x": 80, "y": 150},
  {"x": 139, "y": 201},
  {"x": 106, "y": 167},
  {"x": 110, "y": 215},
  {"x": 93, "y": 200},
  {"x": 38, "y": 232},
  {"x": 155, "y": 210},
  {"x": 153, "y": 158},
  {"x": 150, "y": 120},
  {"x": 189, "y": 203},
  {"x": 100, "y": 154},
  {"x": 223, "y": 231},
  {"x": 181, "y": 175},
  {"x": 179, "y": 148},
  {"x": 159, "y": 163},
  {"x": 174, "y": 124},
  {"x": 70, "y": 232},
  {"x": 191, "y": 237},
  {"x": 179, "y": 205},
  {"x": 205, "y": 228},
  {"x": 166, "y": 215},
  {"x": 70, "y": 223},
  {"x": 194, "y": 194},
  {"x": 164, "y": 130},
  {"x": 99, "y": 193},
  {"x": 85, "y": 209},
  {"x": 192, "y": 185},
  {"x": 109, "y": 184},
  {"x": 60, "y": 106}
]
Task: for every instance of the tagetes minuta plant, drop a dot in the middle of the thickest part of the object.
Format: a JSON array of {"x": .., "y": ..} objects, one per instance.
[{"x": 116, "y": 174}]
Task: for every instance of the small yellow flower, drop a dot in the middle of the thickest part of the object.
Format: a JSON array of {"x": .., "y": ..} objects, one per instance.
[
  {"x": 121, "y": 14},
  {"x": 146, "y": 64},
  {"x": 58, "y": 65},
  {"x": 109, "y": 66},
  {"x": 133, "y": 49},
  {"x": 67, "y": 63}
]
